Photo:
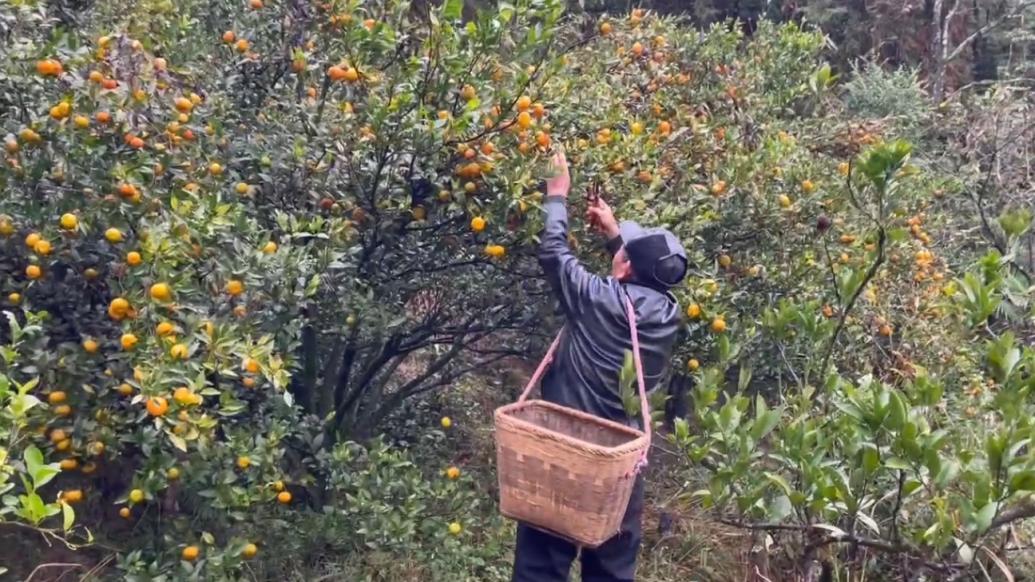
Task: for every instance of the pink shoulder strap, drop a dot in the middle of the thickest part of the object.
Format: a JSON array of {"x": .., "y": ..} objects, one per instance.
[{"x": 641, "y": 385}]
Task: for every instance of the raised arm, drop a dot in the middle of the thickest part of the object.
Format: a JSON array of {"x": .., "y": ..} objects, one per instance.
[{"x": 573, "y": 284}]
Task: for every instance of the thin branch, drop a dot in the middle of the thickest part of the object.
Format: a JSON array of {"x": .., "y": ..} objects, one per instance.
[{"x": 988, "y": 27}]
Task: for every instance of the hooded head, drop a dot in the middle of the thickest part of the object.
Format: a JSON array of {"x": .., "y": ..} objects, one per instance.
[{"x": 652, "y": 257}]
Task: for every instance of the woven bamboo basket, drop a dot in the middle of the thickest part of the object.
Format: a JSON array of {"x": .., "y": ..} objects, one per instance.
[{"x": 564, "y": 471}]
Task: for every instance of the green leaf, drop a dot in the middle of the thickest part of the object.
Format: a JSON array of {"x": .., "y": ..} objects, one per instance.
[
  {"x": 1023, "y": 481},
  {"x": 178, "y": 442},
  {"x": 779, "y": 481},
  {"x": 68, "y": 515},
  {"x": 41, "y": 473},
  {"x": 765, "y": 424},
  {"x": 983, "y": 518},
  {"x": 452, "y": 9}
]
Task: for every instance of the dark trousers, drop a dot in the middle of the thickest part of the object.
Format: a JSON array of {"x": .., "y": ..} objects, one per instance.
[{"x": 541, "y": 557}]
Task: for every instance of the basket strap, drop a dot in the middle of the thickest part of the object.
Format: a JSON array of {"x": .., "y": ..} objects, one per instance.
[
  {"x": 543, "y": 365},
  {"x": 641, "y": 384}
]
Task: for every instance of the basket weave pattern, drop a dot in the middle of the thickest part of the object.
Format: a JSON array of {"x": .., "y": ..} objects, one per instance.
[{"x": 565, "y": 471}]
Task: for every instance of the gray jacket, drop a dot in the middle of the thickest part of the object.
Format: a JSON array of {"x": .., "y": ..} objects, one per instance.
[{"x": 584, "y": 373}]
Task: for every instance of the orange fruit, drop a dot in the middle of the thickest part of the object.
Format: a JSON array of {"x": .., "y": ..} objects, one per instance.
[
  {"x": 242, "y": 45},
  {"x": 523, "y": 103},
  {"x": 133, "y": 258},
  {"x": 49, "y": 67},
  {"x": 14, "y": 298},
  {"x": 161, "y": 292},
  {"x": 57, "y": 397},
  {"x": 269, "y": 248},
  {"x": 69, "y": 464},
  {"x": 243, "y": 462},
  {"x": 125, "y": 389},
  {"x": 336, "y": 73},
  {"x": 885, "y": 330},
  {"x": 57, "y": 435},
  {"x": 784, "y": 201},
  {"x": 284, "y": 497},
  {"x": 113, "y": 235},
  {"x": 455, "y": 528},
  {"x": 725, "y": 261},
  {"x": 255, "y": 4},
  {"x": 251, "y": 366},
  {"x": 468, "y": 93},
  {"x": 157, "y": 406},
  {"x": 692, "y": 364},
  {"x": 72, "y": 496},
  {"x": 172, "y": 474},
  {"x": 718, "y": 325},
  {"x": 128, "y": 341},
  {"x": 33, "y": 272},
  {"x": 249, "y": 551},
  {"x": 125, "y": 513},
  {"x": 278, "y": 485},
  {"x": 664, "y": 128},
  {"x": 160, "y": 64},
  {"x": 524, "y": 120},
  {"x": 183, "y": 396},
  {"x": 90, "y": 346},
  {"x": 452, "y": 473},
  {"x": 69, "y": 221},
  {"x": 63, "y": 410},
  {"x": 164, "y": 328},
  {"x": 229, "y": 36},
  {"x": 605, "y": 28},
  {"x": 446, "y": 422},
  {"x": 543, "y": 139},
  {"x": 351, "y": 74},
  {"x": 183, "y": 104},
  {"x": 719, "y": 188},
  {"x": 477, "y": 224},
  {"x": 32, "y": 239},
  {"x": 808, "y": 187},
  {"x": 178, "y": 352},
  {"x": 118, "y": 307},
  {"x": 43, "y": 248},
  {"x": 248, "y": 382},
  {"x": 234, "y": 287},
  {"x": 190, "y": 553}
]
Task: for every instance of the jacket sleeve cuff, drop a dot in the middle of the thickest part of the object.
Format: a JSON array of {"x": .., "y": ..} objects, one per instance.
[{"x": 614, "y": 245}]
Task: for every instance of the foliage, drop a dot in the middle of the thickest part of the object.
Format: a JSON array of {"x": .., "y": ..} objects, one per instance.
[{"x": 259, "y": 231}]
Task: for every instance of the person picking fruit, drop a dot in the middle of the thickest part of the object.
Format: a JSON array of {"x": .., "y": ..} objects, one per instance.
[{"x": 646, "y": 263}]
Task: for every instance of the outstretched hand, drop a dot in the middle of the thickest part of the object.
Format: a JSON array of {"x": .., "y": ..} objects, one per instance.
[
  {"x": 559, "y": 183},
  {"x": 600, "y": 215}
]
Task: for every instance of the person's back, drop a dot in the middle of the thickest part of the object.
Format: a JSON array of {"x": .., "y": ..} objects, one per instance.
[{"x": 584, "y": 374}]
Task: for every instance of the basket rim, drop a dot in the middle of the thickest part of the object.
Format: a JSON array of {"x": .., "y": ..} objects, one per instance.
[{"x": 638, "y": 441}]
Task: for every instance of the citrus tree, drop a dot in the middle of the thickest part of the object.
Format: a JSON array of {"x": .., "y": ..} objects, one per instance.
[{"x": 256, "y": 212}]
